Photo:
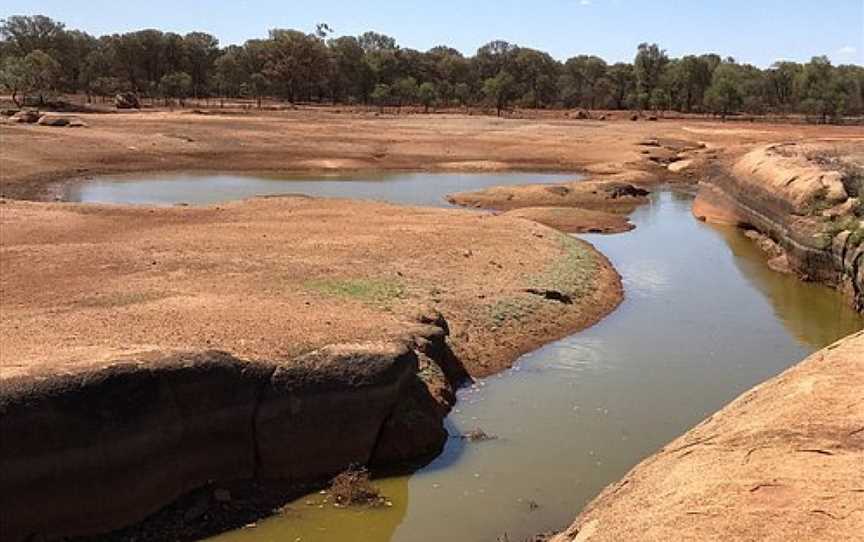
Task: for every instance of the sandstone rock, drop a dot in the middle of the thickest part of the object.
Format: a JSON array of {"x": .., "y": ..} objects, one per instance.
[
  {"x": 679, "y": 166},
  {"x": 26, "y": 116},
  {"x": 127, "y": 100},
  {"x": 53, "y": 120}
]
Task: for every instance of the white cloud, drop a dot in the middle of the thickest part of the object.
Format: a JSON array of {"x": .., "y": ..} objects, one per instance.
[
  {"x": 585, "y": 2},
  {"x": 847, "y": 50}
]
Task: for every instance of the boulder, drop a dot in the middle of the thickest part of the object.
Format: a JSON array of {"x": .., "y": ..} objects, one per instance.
[
  {"x": 53, "y": 120},
  {"x": 27, "y": 116},
  {"x": 127, "y": 100}
]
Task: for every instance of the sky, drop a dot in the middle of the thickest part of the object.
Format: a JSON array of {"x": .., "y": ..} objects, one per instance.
[{"x": 754, "y": 31}]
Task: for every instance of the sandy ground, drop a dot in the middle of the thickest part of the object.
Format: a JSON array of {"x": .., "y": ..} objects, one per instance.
[{"x": 273, "y": 277}]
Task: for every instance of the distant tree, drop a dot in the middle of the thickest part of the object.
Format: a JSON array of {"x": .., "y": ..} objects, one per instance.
[
  {"x": 105, "y": 86},
  {"x": 622, "y": 83},
  {"x": 201, "y": 51},
  {"x": 34, "y": 74},
  {"x": 495, "y": 57},
  {"x": 256, "y": 88},
  {"x": 463, "y": 93},
  {"x": 177, "y": 85},
  {"x": 428, "y": 95},
  {"x": 405, "y": 91},
  {"x": 500, "y": 90},
  {"x": 538, "y": 72},
  {"x": 821, "y": 89},
  {"x": 228, "y": 74},
  {"x": 372, "y": 42},
  {"x": 381, "y": 95},
  {"x": 723, "y": 96},
  {"x": 584, "y": 81},
  {"x": 648, "y": 66},
  {"x": 782, "y": 77},
  {"x": 299, "y": 62},
  {"x": 660, "y": 99},
  {"x": 26, "y": 34}
]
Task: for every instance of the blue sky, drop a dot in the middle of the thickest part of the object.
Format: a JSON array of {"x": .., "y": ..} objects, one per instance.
[{"x": 755, "y": 31}]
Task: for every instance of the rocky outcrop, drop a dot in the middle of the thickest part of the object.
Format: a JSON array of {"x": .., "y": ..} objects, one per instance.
[
  {"x": 781, "y": 462},
  {"x": 802, "y": 206},
  {"x": 94, "y": 451},
  {"x": 126, "y": 100},
  {"x": 600, "y": 195}
]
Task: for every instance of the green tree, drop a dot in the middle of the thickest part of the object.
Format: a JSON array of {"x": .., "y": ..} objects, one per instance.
[
  {"x": 34, "y": 74},
  {"x": 822, "y": 91},
  {"x": 500, "y": 90},
  {"x": 405, "y": 91},
  {"x": 782, "y": 77},
  {"x": 381, "y": 95},
  {"x": 648, "y": 67},
  {"x": 177, "y": 85},
  {"x": 428, "y": 95},
  {"x": 723, "y": 96},
  {"x": 201, "y": 50},
  {"x": 463, "y": 93}
]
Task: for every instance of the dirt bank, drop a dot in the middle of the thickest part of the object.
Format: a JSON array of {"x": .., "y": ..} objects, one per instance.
[
  {"x": 574, "y": 219},
  {"x": 805, "y": 199},
  {"x": 781, "y": 462},
  {"x": 98, "y": 449},
  {"x": 111, "y": 315}
]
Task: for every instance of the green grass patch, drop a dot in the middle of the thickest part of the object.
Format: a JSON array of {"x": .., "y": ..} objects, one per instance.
[
  {"x": 838, "y": 225},
  {"x": 572, "y": 274},
  {"x": 368, "y": 290},
  {"x": 512, "y": 309}
]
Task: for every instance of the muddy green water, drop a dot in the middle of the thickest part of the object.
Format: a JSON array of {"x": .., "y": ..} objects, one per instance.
[{"x": 703, "y": 320}]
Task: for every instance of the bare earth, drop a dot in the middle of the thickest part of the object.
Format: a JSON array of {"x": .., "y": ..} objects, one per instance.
[{"x": 270, "y": 278}]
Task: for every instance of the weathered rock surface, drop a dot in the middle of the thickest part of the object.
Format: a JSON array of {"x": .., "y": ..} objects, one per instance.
[
  {"x": 93, "y": 451},
  {"x": 794, "y": 202},
  {"x": 25, "y": 117},
  {"x": 53, "y": 120},
  {"x": 127, "y": 100},
  {"x": 782, "y": 462}
]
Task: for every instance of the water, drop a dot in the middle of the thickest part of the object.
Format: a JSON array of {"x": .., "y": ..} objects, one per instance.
[
  {"x": 408, "y": 188},
  {"x": 703, "y": 320}
]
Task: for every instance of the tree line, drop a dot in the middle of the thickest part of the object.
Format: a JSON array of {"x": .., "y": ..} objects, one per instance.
[{"x": 40, "y": 56}]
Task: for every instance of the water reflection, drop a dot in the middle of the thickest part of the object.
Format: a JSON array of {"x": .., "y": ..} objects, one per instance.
[
  {"x": 199, "y": 189},
  {"x": 795, "y": 303}
]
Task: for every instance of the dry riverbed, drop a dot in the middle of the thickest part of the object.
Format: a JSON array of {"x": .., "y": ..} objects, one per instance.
[{"x": 95, "y": 293}]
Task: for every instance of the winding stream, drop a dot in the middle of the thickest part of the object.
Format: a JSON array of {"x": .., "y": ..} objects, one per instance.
[{"x": 703, "y": 320}]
